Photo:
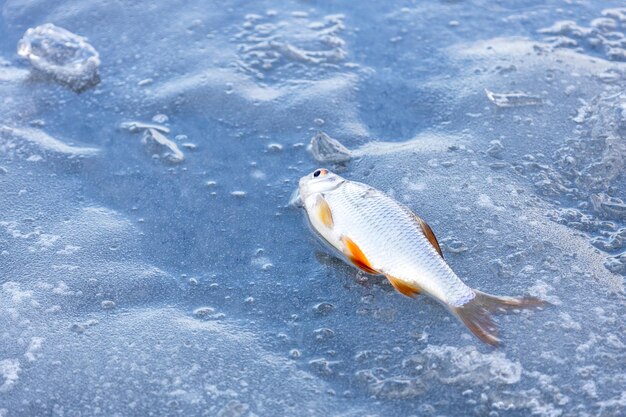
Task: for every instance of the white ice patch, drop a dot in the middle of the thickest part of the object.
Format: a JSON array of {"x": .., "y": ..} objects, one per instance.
[
  {"x": 33, "y": 347},
  {"x": 9, "y": 371},
  {"x": 14, "y": 290},
  {"x": 486, "y": 202},
  {"x": 466, "y": 365},
  {"x": 45, "y": 142},
  {"x": 329, "y": 150}
]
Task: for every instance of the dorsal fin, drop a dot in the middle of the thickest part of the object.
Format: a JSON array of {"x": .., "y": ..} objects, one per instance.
[
  {"x": 430, "y": 235},
  {"x": 356, "y": 255},
  {"x": 404, "y": 287}
]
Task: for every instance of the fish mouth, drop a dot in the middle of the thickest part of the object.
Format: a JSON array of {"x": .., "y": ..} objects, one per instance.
[{"x": 309, "y": 186}]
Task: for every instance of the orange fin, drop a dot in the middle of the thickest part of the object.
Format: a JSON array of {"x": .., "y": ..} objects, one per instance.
[
  {"x": 430, "y": 235},
  {"x": 478, "y": 321},
  {"x": 404, "y": 287},
  {"x": 324, "y": 213},
  {"x": 356, "y": 255},
  {"x": 476, "y": 314}
]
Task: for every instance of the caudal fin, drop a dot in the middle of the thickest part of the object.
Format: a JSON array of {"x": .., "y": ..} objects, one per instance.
[{"x": 476, "y": 314}]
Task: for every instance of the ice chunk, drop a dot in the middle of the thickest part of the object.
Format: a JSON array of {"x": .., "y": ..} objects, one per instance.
[
  {"x": 138, "y": 126},
  {"x": 514, "y": 99},
  {"x": 326, "y": 149},
  {"x": 61, "y": 55},
  {"x": 154, "y": 137},
  {"x": 495, "y": 149}
]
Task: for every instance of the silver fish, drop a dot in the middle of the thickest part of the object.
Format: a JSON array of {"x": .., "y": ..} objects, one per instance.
[{"x": 380, "y": 236}]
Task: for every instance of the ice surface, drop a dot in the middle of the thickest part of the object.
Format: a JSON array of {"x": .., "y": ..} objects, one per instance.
[
  {"x": 61, "y": 55},
  {"x": 129, "y": 286}
]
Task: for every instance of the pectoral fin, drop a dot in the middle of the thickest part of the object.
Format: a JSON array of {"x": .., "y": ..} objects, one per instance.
[
  {"x": 430, "y": 235},
  {"x": 408, "y": 289},
  {"x": 356, "y": 256},
  {"x": 324, "y": 213}
]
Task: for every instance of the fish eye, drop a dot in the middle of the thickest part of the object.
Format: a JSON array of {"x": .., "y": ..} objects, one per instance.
[{"x": 319, "y": 172}]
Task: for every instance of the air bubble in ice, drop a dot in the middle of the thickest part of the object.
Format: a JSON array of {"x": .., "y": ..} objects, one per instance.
[
  {"x": 455, "y": 245},
  {"x": 274, "y": 147},
  {"x": 323, "y": 309},
  {"x": 62, "y": 55},
  {"x": 323, "y": 334}
]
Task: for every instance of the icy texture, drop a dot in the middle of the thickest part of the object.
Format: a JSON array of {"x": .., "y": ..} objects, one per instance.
[
  {"x": 61, "y": 55},
  {"x": 130, "y": 286},
  {"x": 605, "y": 33},
  {"x": 272, "y": 43}
]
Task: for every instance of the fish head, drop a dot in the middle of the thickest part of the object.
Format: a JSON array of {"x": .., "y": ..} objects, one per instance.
[{"x": 319, "y": 181}]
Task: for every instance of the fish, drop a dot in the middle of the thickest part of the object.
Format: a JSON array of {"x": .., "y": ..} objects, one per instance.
[{"x": 380, "y": 236}]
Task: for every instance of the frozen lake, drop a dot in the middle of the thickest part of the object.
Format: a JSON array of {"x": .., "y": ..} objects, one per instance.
[{"x": 150, "y": 263}]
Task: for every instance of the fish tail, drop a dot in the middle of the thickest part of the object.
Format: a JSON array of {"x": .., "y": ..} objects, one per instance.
[{"x": 476, "y": 314}]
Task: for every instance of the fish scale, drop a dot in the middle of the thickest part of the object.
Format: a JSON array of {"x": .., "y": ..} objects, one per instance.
[{"x": 392, "y": 241}]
